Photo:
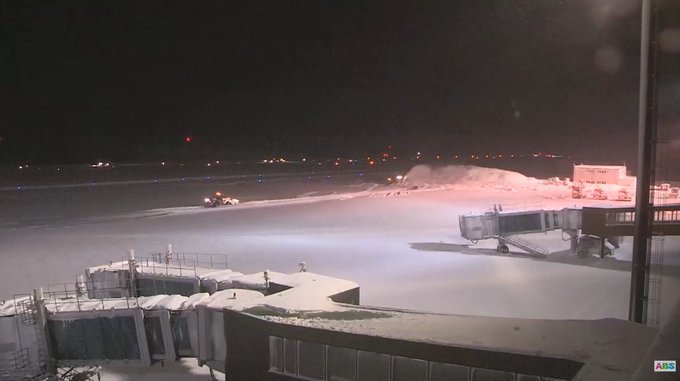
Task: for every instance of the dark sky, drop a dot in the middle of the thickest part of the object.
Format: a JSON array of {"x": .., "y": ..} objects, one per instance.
[{"x": 129, "y": 80}]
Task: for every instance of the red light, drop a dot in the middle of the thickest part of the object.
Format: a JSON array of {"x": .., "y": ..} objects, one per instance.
[
  {"x": 188, "y": 139},
  {"x": 386, "y": 154}
]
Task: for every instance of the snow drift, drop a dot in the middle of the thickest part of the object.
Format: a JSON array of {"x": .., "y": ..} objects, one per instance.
[{"x": 467, "y": 175}]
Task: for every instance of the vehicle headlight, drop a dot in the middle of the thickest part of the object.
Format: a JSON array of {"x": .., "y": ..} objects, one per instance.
[{"x": 206, "y": 200}]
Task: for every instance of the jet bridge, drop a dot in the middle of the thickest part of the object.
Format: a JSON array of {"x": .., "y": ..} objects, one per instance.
[
  {"x": 605, "y": 223},
  {"x": 507, "y": 226}
]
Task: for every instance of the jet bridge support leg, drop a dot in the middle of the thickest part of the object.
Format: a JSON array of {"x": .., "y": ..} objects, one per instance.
[
  {"x": 502, "y": 247},
  {"x": 573, "y": 239}
]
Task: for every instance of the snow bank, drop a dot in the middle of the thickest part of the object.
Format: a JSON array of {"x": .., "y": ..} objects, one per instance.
[{"x": 466, "y": 175}]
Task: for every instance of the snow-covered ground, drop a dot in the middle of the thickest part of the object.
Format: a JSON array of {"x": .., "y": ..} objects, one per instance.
[{"x": 401, "y": 245}]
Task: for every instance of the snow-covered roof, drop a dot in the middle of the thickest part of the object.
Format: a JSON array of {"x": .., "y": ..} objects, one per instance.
[
  {"x": 111, "y": 266},
  {"x": 220, "y": 275},
  {"x": 194, "y": 300},
  {"x": 604, "y": 345},
  {"x": 8, "y": 306},
  {"x": 85, "y": 304},
  {"x": 231, "y": 298},
  {"x": 307, "y": 292}
]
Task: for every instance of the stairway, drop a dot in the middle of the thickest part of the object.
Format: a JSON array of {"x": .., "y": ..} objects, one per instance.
[{"x": 523, "y": 244}]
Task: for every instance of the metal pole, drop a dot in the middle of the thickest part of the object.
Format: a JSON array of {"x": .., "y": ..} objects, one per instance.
[
  {"x": 646, "y": 162},
  {"x": 132, "y": 268}
]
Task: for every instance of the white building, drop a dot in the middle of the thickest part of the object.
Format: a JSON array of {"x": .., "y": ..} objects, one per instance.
[{"x": 603, "y": 174}]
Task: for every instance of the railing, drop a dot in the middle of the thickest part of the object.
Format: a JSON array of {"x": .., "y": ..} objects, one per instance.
[
  {"x": 25, "y": 306},
  {"x": 17, "y": 360},
  {"x": 182, "y": 264},
  {"x": 58, "y": 296},
  {"x": 525, "y": 245},
  {"x": 18, "y": 367},
  {"x": 203, "y": 260}
]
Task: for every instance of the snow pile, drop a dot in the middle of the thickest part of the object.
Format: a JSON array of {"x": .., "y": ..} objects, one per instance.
[{"x": 466, "y": 175}]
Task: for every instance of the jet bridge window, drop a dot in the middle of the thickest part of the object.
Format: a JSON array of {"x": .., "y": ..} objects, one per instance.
[
  {"x": 156, "y": 286},
  {"x": 519, "y": 223},
  {"x": 95, "y": 339},
  {"x": 218, "y": 346},
  {"x": 180, "y": 335},
  {"x": 154, "y": 336}
]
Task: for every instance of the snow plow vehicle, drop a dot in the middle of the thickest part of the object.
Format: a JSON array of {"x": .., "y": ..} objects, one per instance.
[
  {"x": 599, "y": 194},
  {"x": 577, "y": 191},
  {"x": 218, "y": 199},
  {"x": 624, "y": 195}
]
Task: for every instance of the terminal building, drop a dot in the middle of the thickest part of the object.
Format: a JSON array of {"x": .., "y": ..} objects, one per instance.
[
  {"x": 603, "y": 174},
  {"x": 292, "y": 326}
]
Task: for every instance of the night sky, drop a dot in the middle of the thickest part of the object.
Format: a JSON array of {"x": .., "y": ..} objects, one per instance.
[{"x": 130, "y": 80}]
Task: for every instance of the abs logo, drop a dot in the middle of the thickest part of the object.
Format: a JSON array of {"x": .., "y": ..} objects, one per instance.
[{"x": 665, "y": 366}]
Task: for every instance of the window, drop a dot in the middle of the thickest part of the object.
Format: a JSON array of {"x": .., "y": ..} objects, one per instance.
[
  {"x": 154, "y": 335},
  {"x": 408, "y": 369},
  {"x": 373, "y": 366},
  {"x": 293, "y": 357},
  {"x": 312, "y": 360},
  {"x": 448, "y": 372},
  {"x": 180, "y": 335},
  {"x": 342, "y": 364},
  {"x": 218, "y": 344},
  {"x": 95, "y": 339},
  {"x": 526, "y": 377},
  {"x": 275, "y": 353},
  {"x": 290, "y": 356},
  {"x": 479, "y": 374}
]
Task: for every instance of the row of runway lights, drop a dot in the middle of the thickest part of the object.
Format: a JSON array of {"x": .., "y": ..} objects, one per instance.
[{"x": 260, "y": 179}]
